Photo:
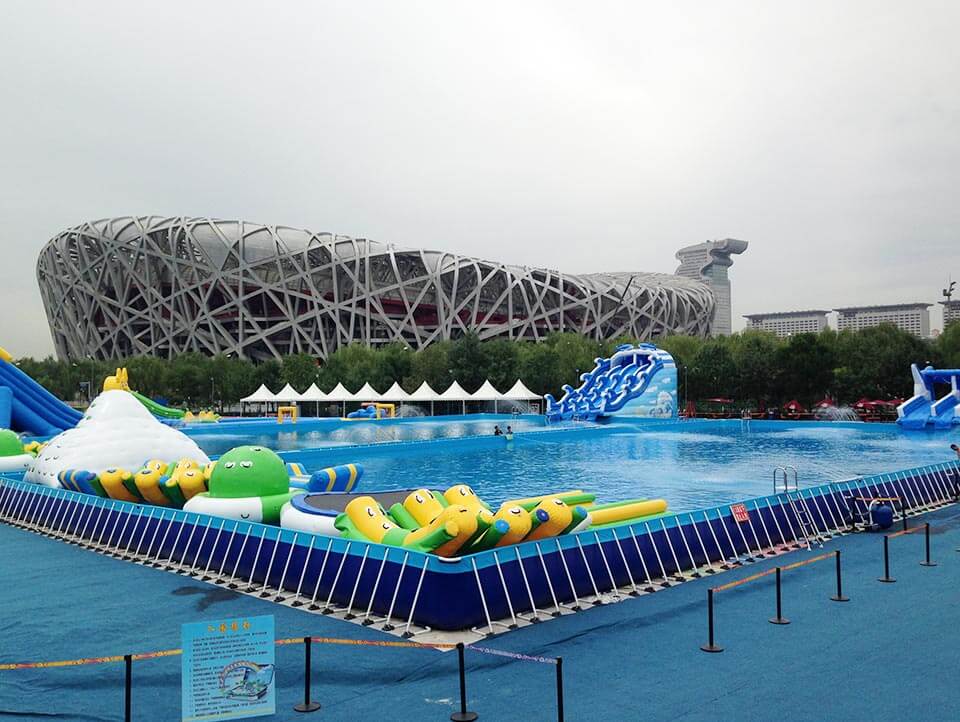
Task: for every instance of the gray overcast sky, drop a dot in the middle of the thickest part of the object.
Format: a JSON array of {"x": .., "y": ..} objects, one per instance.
[{"x": 581, "y": 136}]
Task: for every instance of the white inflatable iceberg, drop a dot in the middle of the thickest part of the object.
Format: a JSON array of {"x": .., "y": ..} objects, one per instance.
[{"x": 116, "y": 432}]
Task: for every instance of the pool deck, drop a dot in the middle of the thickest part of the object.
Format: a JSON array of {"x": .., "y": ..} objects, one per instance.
[{"x": 891, "y": 652}]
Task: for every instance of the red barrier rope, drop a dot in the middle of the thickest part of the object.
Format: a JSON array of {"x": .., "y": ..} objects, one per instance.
[
  {"x": 279, "y": 642},
  {"x": 768, "y": 572}
]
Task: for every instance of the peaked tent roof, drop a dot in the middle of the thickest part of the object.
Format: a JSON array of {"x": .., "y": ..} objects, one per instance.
[
  {"x": 313, "y": 394},
  {"x": 367, "y": 393},
  {"x": 395, "y": 393},
  {"x": 455, "y": 393},
  {"x": 487, "y": 392},
  {"x": 261, "y": 395},
  {"x": 288, "y": 393},
  {"x": 519, "y": 392},
  {"x": 424, "y": 393},
  {"x": 339, "y": 393}
]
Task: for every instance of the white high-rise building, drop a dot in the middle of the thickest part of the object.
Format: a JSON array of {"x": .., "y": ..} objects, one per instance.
[
  {"x": 951, "y": 312},
  {"x": 708, "y": 262},
  {"x": 788, "y": 323},
  {"x": 911, "y": 317}
]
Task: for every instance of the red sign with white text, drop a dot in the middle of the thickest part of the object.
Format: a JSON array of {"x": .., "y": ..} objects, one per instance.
[{"x": 740, "y": 513}]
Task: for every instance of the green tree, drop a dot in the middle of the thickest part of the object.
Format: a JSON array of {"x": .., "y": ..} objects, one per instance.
[
  {"x": 190, "y": 381},
  {"x": 712, "y": 372},
  {"x": 268, "y": 374},
  {"x": 148, "y": 375},
  {"x": 393, "y": 362},
  {"x": 805, "y": 368},
  {"x": 948, "y": 345},
  {"x": 503, "y": 363},
  {"x": 468, "y": 362},
  {"x": 539, "y": 368},
  {"x": 299, "y": 370},
  {"x": 684, "y": 350},
  {"x": 430, "y": 364},
  {"x": 352, "y": 365},
  {"x": 754, "y": 356}
]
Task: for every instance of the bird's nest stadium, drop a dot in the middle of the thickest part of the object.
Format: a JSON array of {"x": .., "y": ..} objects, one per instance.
[{"x": 161, "y": 286}]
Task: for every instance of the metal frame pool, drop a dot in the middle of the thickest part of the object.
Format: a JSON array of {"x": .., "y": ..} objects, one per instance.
[{"x": 404, "y": 591}]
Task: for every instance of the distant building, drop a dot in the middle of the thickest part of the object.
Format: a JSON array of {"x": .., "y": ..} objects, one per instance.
[
  {"x": 708, "y": 262},
  {"x": 911, "y": 317},
  {"x": 789, "y": 322},
  {"x": 951, "y": 312}
]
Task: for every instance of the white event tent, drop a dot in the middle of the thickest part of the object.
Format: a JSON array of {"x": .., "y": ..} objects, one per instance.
[
  {"x": 395, "y": 393},
  {"x": 340, "y": 395},
  {"x": 314, "y": 394},
  {"x": 456, "y": 393},
  {"x": 367, "y": 393},
  {"x": 487, "y": 392},
  {"x": 287, "y": 394},
  {"x": 423, "y": 394},
  {"x": 262, "y": 395}
]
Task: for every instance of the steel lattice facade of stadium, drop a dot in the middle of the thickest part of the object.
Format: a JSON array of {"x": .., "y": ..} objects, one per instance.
[{"x": 161, "y": 286}]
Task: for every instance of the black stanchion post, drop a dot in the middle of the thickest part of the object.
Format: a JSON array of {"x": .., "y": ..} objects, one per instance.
[
  {"x": 903, "y": 513},
  {"x": 710, "y": 646},
  {"x": 560, "y": 689},
  {"x": 926, "y": 534},
  {"x": 779, "y": 619},
  {"x": 463, "y": 715},
  {"x": 128, "y": 688},
  {"x": 307, "y": 705},
  {"x": 886, "y": 562},
  {"x": 838, "y": 597}
]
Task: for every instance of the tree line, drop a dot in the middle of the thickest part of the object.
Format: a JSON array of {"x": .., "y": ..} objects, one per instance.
[{"x": 752, "y": 367}]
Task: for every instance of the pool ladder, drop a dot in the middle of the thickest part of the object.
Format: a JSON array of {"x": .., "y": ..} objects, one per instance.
[{"x": 809, "y": 531}]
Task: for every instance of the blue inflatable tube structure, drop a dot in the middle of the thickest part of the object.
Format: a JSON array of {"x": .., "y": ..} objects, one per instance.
[{"x": 30, "y": 407}]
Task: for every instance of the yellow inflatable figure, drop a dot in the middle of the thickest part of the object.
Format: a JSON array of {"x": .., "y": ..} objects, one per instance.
[
  {"x": 558, "y": 517},
  {"x": 113, "y": 480},
  {"x": 118, "y": 382},
  {"x": 519, "y": 524},
  {"x": 148, "y": 482},
  {"x": 191, "y": 483},
  {"x": 465, "y": 496},
  {"x": 208, "y": 469},
  {"x": 509, "y": 526},
  {"x": 364, "y": 519},
  {"x": 423, "y": 506},
  {"x": 461, "y": 518}
]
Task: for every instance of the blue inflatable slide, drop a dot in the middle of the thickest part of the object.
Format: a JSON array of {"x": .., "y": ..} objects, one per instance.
[
  {"x": 637, "y": 380},
  {"x": 921, "y": 410},
  {"x": 25, "y": 406}
]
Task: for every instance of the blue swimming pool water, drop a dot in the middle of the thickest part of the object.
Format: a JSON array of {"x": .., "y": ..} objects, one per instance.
[
  {"x": 325, "y": 433},
  {"x": 691, "y": 464}
]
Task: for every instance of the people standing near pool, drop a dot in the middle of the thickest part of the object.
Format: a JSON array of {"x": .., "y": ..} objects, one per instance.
[
  {"x": 956, "y": 449},
  {"x": 509, "y": 435},
  {"x": 496, "y": 430}
]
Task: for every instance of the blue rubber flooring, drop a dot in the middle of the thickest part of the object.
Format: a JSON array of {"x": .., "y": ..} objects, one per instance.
[{"x": 891, "y": 652}]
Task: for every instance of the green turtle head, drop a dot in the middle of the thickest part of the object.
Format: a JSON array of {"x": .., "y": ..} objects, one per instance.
[
  {"x": 249, "y": 471},
  {"x": 10, "y": 444}
]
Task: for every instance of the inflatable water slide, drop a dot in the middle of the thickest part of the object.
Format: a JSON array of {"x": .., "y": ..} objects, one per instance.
[
  {"x": 921, "y": 410},
  {"x": 26, "y": 406},
  {"x": 120, "y": 381},
  {"x": 636, "y": 380}
]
